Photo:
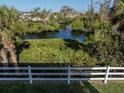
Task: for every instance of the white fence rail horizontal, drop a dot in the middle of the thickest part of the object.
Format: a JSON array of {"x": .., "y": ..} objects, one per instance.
[{"x": 61, "y": 73}]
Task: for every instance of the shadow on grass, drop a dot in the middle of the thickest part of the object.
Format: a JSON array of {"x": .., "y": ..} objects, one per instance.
[
  {"x": 47, "y": 88},
  {"x": 89, "y": 88},
  {"x": 21, "y": 47},
  {"x": 78, "y": 45},
  {"x": 73, "y": 44}
]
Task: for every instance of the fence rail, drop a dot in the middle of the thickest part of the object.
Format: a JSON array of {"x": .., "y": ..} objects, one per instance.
[{"x": 61, "y": 73}]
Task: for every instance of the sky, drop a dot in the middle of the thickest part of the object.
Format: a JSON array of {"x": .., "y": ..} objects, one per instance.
[{"x": 55, "y": 5}]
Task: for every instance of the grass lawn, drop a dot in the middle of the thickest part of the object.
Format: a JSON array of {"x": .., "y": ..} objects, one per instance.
[
  {"x": 86, "y": 87},
  {"x": 110, "y": 87}
]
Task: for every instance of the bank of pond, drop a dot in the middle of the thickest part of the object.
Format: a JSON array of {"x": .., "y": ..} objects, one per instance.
[{"x": 55, "y": 52}]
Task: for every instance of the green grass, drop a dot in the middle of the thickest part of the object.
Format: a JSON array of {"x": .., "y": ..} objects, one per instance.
[
  {"x": 56, "y": 51},
  {"x": 86, "y": 87},
  {"x": 110, "y": 87}
]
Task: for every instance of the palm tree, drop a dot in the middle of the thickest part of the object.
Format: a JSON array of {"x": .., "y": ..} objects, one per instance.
[{"x": 8, "y": 19}]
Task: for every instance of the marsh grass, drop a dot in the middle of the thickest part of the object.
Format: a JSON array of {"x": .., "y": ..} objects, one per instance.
[{"x": 56, "y": 51}]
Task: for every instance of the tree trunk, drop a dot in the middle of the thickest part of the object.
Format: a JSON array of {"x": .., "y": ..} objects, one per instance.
[
  {"x": 7, "y": 52},
  {"x": 13, "y": 58},
  {"x": 4, "y": 57}
]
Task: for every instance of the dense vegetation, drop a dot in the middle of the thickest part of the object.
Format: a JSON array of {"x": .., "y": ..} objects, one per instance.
[
  {"x": 64, "y": 52},
  {"x": 104, "y": 35},
  {"x": 56, "y": 52}
]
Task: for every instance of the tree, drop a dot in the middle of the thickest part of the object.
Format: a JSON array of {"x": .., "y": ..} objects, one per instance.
[
  {"x": 104, "y": 10},
  {"x": 78, "y": 24},
  {"x": 8, "y": 19},
  {"x": 117, "y": 13},
  {"x": 35, "y": 12},
  {"x": 66, "y": 10},
  {"x": 102, "y": 41}
]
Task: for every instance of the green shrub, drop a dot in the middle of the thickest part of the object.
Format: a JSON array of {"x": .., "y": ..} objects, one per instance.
[{"x": 78, "y": 24}]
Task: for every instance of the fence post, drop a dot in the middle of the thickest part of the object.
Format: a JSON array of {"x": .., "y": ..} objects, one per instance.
[
  {"x": 30, "y": 75},
  {"x": 107, "y": 74},
  {"x": 69, "y": 70}
]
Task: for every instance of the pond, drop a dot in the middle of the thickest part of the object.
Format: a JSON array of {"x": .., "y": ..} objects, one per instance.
[{"x": 62, "y": 33}]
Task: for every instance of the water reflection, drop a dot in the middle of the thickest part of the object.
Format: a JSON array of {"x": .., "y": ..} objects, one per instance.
[{"x": 65, "y": 34}]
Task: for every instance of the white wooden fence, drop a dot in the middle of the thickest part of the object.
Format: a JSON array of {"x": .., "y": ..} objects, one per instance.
[{"x": 61, "y": 73}]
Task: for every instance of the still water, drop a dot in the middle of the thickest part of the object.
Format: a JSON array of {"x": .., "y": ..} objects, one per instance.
[{"x": 63, "y": 33}]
